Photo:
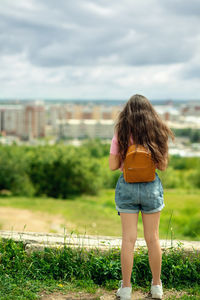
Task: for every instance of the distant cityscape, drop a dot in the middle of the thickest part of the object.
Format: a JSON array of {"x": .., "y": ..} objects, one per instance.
[{"x": 29, "y": 121}]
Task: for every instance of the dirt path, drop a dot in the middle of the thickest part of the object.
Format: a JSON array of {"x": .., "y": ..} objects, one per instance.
[
  {"x": 17, "y": 219},
  {"x": 105, "y": 295}
]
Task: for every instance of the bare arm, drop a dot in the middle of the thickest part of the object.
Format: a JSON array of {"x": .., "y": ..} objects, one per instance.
[{"x": 114, "y": 162}]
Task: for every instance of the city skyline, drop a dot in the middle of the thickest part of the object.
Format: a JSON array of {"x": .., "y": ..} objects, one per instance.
[{"x": 33, "y": 119}]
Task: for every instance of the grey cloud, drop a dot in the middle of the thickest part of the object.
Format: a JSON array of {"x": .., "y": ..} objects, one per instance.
[
  {"x": 191, "y": 71},
  {"x": 182, "y": 7},
  {"x": 67, "y": 33}
]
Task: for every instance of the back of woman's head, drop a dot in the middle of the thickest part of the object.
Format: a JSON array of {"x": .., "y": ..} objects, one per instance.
[{"x": 139, "y": 119}]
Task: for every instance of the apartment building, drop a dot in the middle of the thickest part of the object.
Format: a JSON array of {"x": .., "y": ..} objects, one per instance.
[
  {"x": 34, "y": 120},
  {"x": 11, "y": 119},
  {"x": 25, "y": 121},
  {"x": 88, "y": 121}
]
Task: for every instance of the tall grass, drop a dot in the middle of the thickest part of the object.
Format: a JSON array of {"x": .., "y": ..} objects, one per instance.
[{"x": 20, "y": 272}]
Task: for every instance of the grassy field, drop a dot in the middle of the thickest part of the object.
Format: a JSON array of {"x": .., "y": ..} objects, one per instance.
[
  {"x": 180, "y": 218},
  {"x": 77, "y": 273}
]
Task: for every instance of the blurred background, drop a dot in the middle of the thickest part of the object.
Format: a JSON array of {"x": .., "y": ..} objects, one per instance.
[{"x": 67, "y": 69}]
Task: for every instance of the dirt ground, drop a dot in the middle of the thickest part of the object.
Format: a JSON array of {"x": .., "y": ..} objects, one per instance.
[
  {"x": 105, "y": 295},
  {"x": 28, "y": 221}
]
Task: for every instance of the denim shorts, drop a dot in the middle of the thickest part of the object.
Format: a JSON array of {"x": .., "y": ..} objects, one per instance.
[{"x": 135, "y": 196}]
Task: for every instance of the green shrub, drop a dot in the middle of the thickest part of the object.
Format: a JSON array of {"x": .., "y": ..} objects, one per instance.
[
  {"x": 171, "y": 178},
  {"x": 194, "y": 178},
  {"x": 178, "y": 267},
  {"x": 13, "y": 171},
  {"x": 191, "y": 133},
  {"x": 192, "y": 228},
  {"x": 184, "y": 163},
  {"x": 60, "y": 171}
]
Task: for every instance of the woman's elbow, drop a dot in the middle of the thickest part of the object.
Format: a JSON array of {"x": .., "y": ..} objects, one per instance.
[
  {"x": 113, "y": 164},
  {"x": 112, "y": 167}
]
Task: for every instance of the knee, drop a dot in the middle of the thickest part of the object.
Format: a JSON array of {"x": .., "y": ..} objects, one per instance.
[
  {"x": 129, "y": 239},
  {"x": 151, "y": 239}
]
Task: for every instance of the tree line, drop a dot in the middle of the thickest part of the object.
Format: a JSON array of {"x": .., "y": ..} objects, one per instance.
[{"x": 63, "y": 171}]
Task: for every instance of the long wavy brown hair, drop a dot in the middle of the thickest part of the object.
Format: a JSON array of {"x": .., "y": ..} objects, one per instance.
[{"x": 139, "y": 119}]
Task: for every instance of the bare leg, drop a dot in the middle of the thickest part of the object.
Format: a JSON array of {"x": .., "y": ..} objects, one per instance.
[
  {"x": 151, "y": 234},
  {"x": 129, "y": 235}
]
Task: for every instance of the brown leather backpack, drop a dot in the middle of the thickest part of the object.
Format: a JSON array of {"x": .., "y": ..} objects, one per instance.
[{"x": 138, "y": 165}]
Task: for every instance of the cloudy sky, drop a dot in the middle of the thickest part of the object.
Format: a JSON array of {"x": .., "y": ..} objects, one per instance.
[{"x": 100, "y": 49}]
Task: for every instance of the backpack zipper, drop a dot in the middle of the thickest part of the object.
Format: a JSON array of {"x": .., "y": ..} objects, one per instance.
[{"x": 136, "y": 168}]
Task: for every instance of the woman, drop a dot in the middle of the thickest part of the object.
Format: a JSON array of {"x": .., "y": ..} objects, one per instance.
[{"x": 139, "y": 123}]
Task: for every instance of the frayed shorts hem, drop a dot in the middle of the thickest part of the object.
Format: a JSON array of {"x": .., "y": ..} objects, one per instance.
[
  {"x": 123, "y": 210},
  {"x": 154, "y": 210},
  {"x": 133, "y": 211}
]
